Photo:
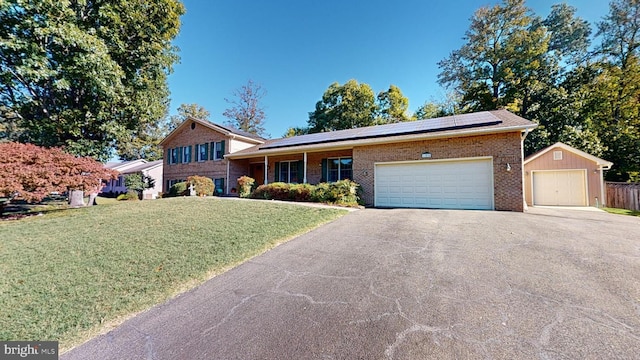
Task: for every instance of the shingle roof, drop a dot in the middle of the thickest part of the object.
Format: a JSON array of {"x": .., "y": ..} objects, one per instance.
[
  {"x": 233, "y": 130},
  {"x": 601, "y": 162},
  {"x": 227, "y": 130},
  {"x": 142, "y": 167},
  {"x": 480, "y": 122}
]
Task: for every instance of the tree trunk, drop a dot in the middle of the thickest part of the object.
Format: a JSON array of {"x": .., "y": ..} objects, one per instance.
[
  {"x": 92, "y": 199},
  {"x": 76, "y": 198}
]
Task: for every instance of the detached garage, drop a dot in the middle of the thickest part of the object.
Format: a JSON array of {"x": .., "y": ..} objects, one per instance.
[{"x": 561, "y": 175}]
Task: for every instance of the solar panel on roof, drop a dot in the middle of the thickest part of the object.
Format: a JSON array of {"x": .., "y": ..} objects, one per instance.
[{"x": 405, "y": 128}]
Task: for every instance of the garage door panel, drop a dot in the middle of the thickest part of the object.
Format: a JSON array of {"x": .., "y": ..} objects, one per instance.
[
  {"x": 559, "y": 188},
  {"x": 466, "y": 184}
]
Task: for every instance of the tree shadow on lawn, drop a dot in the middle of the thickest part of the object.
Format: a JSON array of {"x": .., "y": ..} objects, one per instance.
[{"x": 19, "y": 209}]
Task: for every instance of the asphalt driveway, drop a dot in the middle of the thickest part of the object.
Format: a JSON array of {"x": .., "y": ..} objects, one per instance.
[{"x": 412, "y": 284}]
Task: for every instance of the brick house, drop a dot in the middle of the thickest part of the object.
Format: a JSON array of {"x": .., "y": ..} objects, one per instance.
[
  {"x": 469, "y": 161},
  {"x": 198, "y": 147}
]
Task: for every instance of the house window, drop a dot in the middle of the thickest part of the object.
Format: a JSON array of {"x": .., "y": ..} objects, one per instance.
[
  {"x": 288, "y": 171},
  {"x": 119, "y": 181},
  {"x": 173, "y": 156},
  {"x": 186, "y": 154},
  {"x": 339, "y": 169},
  {"x": 557, "y": 155},
  {"x": 202, "y": 152},
  {"x": 219, "y": 186},
  {"x": 217, "y": 150}
]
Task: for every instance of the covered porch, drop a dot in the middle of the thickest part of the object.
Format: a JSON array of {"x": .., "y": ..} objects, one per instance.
[{"x": 295, "y": 167}]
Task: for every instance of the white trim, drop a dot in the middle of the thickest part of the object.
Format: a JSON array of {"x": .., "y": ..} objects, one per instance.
[
  {"x": 604, "y": 164},
  {"x": 426, "y": 162},
  {"x": 586, "y": 183},
  {"x": 339, "y": 166},
  {"x": 227, "y": 184},
  {"x": 211, "y": 126}
]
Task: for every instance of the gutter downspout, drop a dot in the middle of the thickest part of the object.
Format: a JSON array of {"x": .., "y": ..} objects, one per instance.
[{"x": 523, "y": 136}]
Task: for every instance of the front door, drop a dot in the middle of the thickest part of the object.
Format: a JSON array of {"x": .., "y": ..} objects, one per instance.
[{"x": 256, "y": 171}]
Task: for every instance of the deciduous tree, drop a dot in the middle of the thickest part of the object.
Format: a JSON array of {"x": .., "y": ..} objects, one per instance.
[
  {"x": 347, "y": 106},
  {"x": 86, "y": 75},
  {"x": 30, "y": 172},
  {"x": 393, "y": 106},
  {"x": 295, "y": 131},
  {"x": 185, "y": 111},
  {"x": 246, "y": 112}
]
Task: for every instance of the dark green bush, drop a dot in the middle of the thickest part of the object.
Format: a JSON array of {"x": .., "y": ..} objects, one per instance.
[
  {"x": 178, "y": 189},
  {"x": 130, "y": 195}
]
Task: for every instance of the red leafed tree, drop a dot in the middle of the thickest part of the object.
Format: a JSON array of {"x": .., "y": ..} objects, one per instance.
[{"x": 31, "y": 172}]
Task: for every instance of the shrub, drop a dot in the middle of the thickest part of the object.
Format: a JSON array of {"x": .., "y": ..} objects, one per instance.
[
  {"x": 203, "y": 185},
  {"x": 273, "y": 191},
  {"x": 246, "y": 185},
  {"x": 178, "y": 189},
  {"x": 344, "y": 192},
  {"x": 300, "y": 192},
  {"x": 131, "y": 195}
]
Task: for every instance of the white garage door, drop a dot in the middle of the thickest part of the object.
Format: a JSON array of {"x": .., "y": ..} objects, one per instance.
[
  {"x": 560, "y": 188},
  {"x": 460, "y": 184}
]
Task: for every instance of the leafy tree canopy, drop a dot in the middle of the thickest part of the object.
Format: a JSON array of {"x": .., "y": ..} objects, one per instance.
[
  {"x": 355, "y": 105},
  {"x": 393, "y": 106},
  {"x": 295, "y": 131},
  {"x": 31, "y": 172},
  {"x": 85, "y": 75},
  {"x": 186, "y": 111}
]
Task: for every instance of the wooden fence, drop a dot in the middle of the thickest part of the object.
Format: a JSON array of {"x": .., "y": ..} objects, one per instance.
[{"x": 623, "y": 195}]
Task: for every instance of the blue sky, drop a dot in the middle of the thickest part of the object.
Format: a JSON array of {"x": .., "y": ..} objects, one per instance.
[{"x": 296, "y": 48}]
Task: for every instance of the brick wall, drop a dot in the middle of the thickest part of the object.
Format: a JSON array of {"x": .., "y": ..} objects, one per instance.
[
  {"x": 504, "y": 148},
  {"x": 209, "y": 168}
]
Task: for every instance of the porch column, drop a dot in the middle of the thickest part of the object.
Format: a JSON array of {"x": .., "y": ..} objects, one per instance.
[
  {"x": 304, "y": 177},
  {"x": 227, "y": 181},
  {"x": 266, "y": 170}
]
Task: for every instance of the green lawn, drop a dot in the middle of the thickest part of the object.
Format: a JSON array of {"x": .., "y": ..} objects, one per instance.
[
  {"x": 67, "y": 277},
  {"x": 621, "y": 211}
]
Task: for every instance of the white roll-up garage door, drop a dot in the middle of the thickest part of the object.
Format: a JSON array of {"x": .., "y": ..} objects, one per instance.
[
  {"x": 560, "y": 188},
  {"x": 451, "y": 184}
]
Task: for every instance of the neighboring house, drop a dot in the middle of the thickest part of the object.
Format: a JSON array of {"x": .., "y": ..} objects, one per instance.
[
  {"x": 151, "y": 169},
  {"x": 561, "y": 175},
  {"x": 469, "y": 161}
]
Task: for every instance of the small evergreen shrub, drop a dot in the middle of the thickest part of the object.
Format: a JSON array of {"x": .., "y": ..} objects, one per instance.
[
  {"x": 202, "y": 185},
  {"x": 246, "y": 185},
  {"x": 130, "y": 195},
  {"x": 178, "y": 189}
]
